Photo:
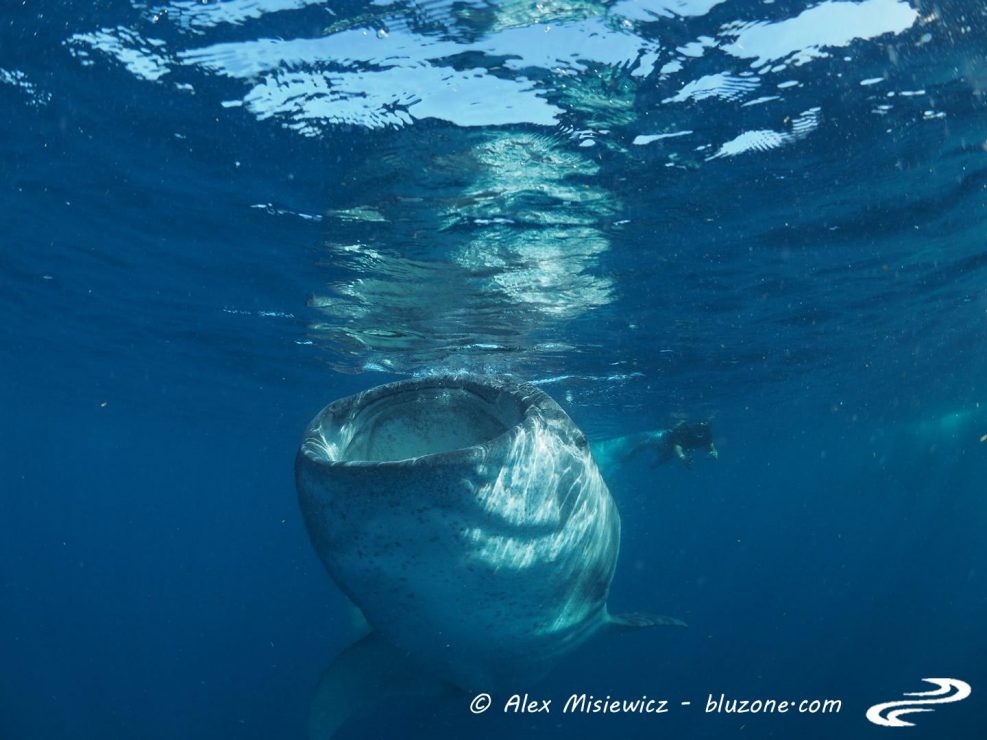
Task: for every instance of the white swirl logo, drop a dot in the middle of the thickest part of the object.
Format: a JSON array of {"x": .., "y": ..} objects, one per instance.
[{"x": 948, "y": 691}]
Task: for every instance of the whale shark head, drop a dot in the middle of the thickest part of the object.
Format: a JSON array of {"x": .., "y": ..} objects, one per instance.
[{"x": 466, "y": 518}]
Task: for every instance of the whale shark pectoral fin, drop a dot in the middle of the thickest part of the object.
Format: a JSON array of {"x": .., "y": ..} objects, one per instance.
[
  {"x": 367, "y": 672},
  {"x": 639, "y": 620}
]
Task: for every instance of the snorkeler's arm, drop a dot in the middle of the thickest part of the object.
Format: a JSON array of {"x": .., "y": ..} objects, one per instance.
[{"x": 682, "y": 456}]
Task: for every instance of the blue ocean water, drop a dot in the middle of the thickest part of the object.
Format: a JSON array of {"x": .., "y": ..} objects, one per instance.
[{"x": 220, "y": 216}]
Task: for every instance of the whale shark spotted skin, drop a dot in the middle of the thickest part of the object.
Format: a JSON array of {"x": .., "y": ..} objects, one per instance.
[{"x": 466, "y": 517}]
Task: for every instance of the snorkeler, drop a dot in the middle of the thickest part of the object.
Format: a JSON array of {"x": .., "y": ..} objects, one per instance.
[
  {"x": 676, "y": 443},
  {"x": 684, "y": 437}
]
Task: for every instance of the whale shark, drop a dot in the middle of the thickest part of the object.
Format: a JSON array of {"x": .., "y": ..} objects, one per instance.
[{"x": 466, "y": 518}]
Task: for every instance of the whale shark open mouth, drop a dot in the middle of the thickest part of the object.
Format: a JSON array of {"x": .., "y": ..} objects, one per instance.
[
  {"x": 427, "y": 417},
  {"x": 428, "y": 421}
]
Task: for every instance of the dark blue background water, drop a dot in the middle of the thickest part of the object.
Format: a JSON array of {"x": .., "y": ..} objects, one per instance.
[{"x": 185, "y": 284}]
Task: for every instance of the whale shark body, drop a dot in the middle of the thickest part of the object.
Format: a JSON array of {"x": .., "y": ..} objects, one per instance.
[{"x": 466, "y": 517}]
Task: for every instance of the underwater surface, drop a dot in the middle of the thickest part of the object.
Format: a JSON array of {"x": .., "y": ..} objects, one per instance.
[{"x": 217, "y": 217}]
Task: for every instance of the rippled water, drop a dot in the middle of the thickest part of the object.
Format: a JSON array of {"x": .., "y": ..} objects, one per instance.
[
  {"x": 517, "y": 185},
  {"x": 770, "y": 212}
]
